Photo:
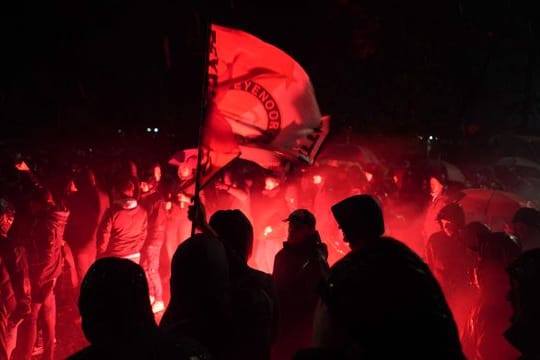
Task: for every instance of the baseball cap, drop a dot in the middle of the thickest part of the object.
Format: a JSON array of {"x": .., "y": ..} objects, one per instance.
[{"x": 302, "y": 216}]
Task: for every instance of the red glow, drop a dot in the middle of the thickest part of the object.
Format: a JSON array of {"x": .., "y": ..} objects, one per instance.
[
  {"x": 270, "y": 183},
  {"x": 317, "y": 179},
  {"x": 145, "y": 187},
  {"x": 369, "y": 176},
  {"x": 395, "y": 178},
  {"x": 268, "y": 230}
]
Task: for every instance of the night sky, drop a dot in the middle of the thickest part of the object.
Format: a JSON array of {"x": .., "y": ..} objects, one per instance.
[{"x": 87, "y": 69}]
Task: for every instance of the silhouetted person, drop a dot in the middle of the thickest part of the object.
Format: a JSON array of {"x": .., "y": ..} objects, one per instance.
[
  {"x": 200, "y": 295},
  {"x": 87, "y": 206},
  {"x": 452, "y": 262},
  {"x": 117, "y": 318},
  {"x": 123, "y": 229},
  {"x": 524, "y": 296},
  {"x": 16, "y": 261},
  {"x": 381, "y": 300},
  {"x": 298, "y": 271},
  {"x": 7, "y": 306},
  {"x": 41, "y": 233},
  {"x": 483, "y": 336},
  {"x": 252, "y": 293},
  {"x": 526, "y": 223},
  {"x": 155, "y": 202}
]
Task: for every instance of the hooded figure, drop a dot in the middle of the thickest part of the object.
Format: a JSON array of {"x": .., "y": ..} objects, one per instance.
[
  {"x": 452, "y": 262},
  {"x": 117, "y": 318},
  {"x": 381, "y": 301},
  {"x": 200, "y": 295},
  {"x": 254, "y": 303}
]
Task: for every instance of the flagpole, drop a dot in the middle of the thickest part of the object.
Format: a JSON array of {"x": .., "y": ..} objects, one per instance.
[{"x": 203, "y": 111}]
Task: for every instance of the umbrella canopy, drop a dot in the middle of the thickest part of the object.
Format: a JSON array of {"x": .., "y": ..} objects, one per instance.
[
  {"x": 518, "y": 162},
  {"x": 492, "y": 207},
  {"x": 347, "y": 153},
  {"x": 453, "y": 173}
]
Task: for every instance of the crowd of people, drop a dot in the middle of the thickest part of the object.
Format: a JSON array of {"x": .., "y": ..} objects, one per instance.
[{"x": 154, "y": 278}]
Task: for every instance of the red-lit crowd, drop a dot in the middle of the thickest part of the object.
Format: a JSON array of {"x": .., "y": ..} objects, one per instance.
[{"x": 126, "y": 255}]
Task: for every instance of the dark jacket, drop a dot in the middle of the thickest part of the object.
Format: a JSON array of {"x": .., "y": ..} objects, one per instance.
[
  {"x": 153, "y": 346},
  {"x": 86, "y": 211},
  {"x": 298, "y": 272},
  {"x": 17, "y": 266},
  {"x": 42, "y": 236},
  {"x": 200, "y": 295},
  {"x": 123, "y": 230},
  {"x": 449, "y": 260},
  {"x": 155, "y": 207},
  {"x": 387, "y": 305},
  {"x": 255, "y": 314}
]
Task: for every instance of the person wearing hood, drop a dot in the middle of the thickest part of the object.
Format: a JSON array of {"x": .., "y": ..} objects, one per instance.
[
  {"x": 200, "y": 307},
  {"x": 381, "y": 300},
  {"x": 42, "y": 235},
  {"x": 299, "y": 268},
  {"x": 254, "y": 303},
  {"x": 123, "y": 230},
  {"x": 117, "y": 317},
  {"x": 452, "y": 262}
]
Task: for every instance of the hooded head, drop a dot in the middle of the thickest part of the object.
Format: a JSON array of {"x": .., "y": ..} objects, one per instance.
[
  {"x": 114, "y": 303},
  {"x": 360, "y": 218},
  {"x": 235, "y": 229}
]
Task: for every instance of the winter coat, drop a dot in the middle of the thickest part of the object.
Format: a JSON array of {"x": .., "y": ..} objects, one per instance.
[
  {"x": 298, "y": 272},
  {"x": 450, "y": 260},
  {"x": 200, "y": 295},
  {"x": 155, "y": 207},
  {"x": 42, "y": 236},
  {"x": 385, "y": 302},
  {"x": 123, "y": 230}
]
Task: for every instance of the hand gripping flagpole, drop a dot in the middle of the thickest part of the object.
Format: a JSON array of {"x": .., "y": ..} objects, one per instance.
[{"x": 204, "y": 107}]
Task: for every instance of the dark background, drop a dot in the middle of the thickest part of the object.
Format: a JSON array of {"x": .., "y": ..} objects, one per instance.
[{"x": 94, "y": 70}]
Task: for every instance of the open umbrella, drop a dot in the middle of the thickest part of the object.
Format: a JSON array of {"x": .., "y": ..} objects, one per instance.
[
  {"x": 347, "y": 153},
  {"x": 453, "y": 173},
  {"x": 492, "y": 207},
  {"x": 521, "y": 166}
]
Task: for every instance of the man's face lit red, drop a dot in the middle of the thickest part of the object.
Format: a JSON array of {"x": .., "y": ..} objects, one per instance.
[
  {"x": 449, "y": 227},
  {"x": 184, "y": 171}
]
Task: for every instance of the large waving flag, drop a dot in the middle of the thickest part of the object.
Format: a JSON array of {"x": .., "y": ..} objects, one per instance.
[
  {"x": 261, "y": 106},
  {"x": 266, "y": 98}
]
